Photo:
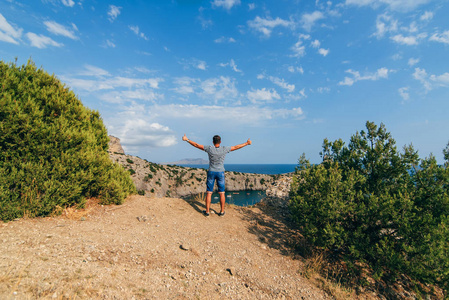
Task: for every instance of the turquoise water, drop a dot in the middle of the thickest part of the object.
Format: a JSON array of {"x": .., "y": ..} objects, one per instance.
[{"x": 241, "y": 198}]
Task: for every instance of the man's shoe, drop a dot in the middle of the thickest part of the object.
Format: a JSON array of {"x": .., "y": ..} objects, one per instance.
[
  {"x": 205, "y": 213},
  {"x": 221, "y": 214}
]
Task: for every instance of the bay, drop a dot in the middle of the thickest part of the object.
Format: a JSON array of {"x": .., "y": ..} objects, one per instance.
[
  {"x": 240, "y": 198},
  {"x": 247, "y": 198}
]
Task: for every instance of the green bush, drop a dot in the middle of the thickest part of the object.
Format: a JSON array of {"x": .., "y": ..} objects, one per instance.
[
  {"x": 53, "y": 149},
  {"x": 372, "y": 204}
]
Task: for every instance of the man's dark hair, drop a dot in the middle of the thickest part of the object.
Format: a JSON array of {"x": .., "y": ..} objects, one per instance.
[{"x": 216, "y": 139}]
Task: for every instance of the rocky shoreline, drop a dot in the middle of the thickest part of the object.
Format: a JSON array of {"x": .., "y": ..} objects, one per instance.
[{"x": 157, "y": 180}]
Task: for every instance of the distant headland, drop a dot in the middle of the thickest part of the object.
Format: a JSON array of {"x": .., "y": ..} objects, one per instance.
[{"x": 189, "y": 161}]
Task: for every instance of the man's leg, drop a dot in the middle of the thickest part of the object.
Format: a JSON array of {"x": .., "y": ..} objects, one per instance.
[
  {"x": 222, "y": 201},
  {"x": 208, "y": 201},
  {"x": 221, "y": 191},
  {"x": 209, "y": 189}
]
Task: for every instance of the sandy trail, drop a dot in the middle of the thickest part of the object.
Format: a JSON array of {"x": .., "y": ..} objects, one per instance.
[{"x": 151, "y": 248}]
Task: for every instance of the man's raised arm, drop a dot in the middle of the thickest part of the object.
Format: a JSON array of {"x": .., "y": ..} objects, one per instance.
[
  {"x": 184, "y": 138},
  {"x": 236, "y": 147}
]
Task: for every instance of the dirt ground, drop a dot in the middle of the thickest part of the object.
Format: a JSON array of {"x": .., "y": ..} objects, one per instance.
[{"x": 152, "y": 248}]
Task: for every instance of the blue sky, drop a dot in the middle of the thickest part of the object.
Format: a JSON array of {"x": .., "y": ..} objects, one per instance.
[{"x": 285, "y": 73}]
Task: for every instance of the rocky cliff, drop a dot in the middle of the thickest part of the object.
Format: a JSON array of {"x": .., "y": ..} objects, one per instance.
[
  {"x": 115, "y": 146},
  {"x": 156, "y": 180}
]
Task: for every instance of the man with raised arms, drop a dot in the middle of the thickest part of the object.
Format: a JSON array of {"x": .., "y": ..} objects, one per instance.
[{"x": 216, "y": 170}]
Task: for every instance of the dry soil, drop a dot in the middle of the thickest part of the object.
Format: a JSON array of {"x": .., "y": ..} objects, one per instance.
[{"x": 152, "y": 248}]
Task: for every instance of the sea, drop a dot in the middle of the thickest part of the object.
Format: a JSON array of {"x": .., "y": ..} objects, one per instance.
[
  {"x": 271, "y": 169},
  {"x": 248, "y": 198}
]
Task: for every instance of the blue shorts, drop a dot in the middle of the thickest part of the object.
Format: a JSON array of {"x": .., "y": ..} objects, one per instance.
[{"x": 211, "y": 177}]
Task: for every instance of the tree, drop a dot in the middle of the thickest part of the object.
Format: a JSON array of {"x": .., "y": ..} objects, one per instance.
[
  {"x": 371, "y": 203},
  {"x": 53, "y": 149}
]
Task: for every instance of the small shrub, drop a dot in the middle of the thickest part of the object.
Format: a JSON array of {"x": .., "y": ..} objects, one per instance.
[
  {"x": 141, "y": 192},
  {"x": 130, "y": 161},
  {"x": 131, "y": 171}
]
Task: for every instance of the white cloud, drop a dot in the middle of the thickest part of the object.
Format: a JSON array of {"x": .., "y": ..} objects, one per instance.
[
  {"x": 323, "y": 52},
  {"x": 185, "y": 85},
  {"x": 251, "y": 6},
  {"x": 110, "y": 44},
  {"x": 299, "y": 50},
  {"x": 421, "y": 76},
  {"x": 59, "y": 29},
  {"x": 41, "y": 41},
  {"x": 279, "y": 82},
  {"x": 195, "y": 63},
  {"x": 263, "y": 94},
  {"x": 266, "y": 26},
  {"x": 138, "y": 132},
  {"x": 426, "y": 16},
  {"x": 381, "y": 73},
  {"x": 90, "y": 70},
  {"x": 8, "y": 33},
  {"x": 441, "y": 80},
  {"x": 412, "y": 28},
  {"x": 232, "y": 65},
  {"x": 431, "y": 81},
  {"x": 308, "y": 20},
  {"x": 293, "y": 69},
  {"x": 135, "y": 82},
  {"x": 404, "y": 93},
  {"x": 218, "y": 88},
  {"x": 106, "y": 82},
  {"x": 69, "y": 3},
  {"x": 224, "y": 40},
  {"x": 201, "y": 65},
  {"x": 385, "y": 24},
  {"x": 226, "y": 4},
  {"x": 130, "y": 95},
  {"x": 114, "y": 12},
  {"x": 296, "y": 96},
  {"x": 441, "y": 38},
  {"x": 398, "y": 5},
  {"x": 408, "y": 40},
  {"x": 413, "y": 61},
  {"x": 205, "y": 23},
  {"x": 316, "y": 44},
  {"x": 323, "y": 90},
  {"x": 215, "y": 89},
  {"x": 236, "y": 115},
  {"x": 136, "y": 30}
]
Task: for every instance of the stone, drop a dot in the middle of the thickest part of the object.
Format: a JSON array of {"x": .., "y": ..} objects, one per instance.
[
  {"x": 184, "y": 247},
  {"x": 142, "y": 218},
  {"x": 231, "y": 271}
]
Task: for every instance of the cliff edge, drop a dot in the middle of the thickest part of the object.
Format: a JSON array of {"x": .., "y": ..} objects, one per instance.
[{"x": 157, "y": 180}]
